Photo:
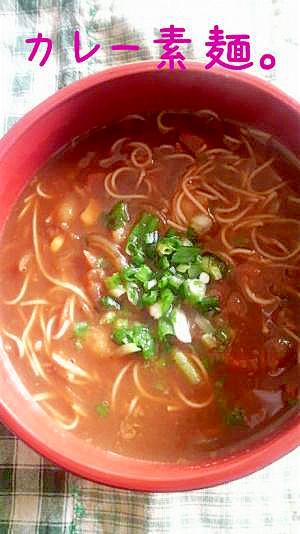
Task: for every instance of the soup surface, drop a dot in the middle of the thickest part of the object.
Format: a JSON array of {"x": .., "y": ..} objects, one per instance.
[{"x": 150, "y": 294}]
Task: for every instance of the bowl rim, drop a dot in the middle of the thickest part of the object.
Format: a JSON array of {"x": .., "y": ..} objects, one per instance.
[
  {"x": 131, "y": 473},
  {"x": 70, "y": 91}
]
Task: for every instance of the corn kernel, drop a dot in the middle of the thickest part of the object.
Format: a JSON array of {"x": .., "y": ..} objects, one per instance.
[{"x": 56, "y": 243}]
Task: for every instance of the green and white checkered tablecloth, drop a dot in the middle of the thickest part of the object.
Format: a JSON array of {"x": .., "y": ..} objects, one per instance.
[{"x": 36, "y": 496}]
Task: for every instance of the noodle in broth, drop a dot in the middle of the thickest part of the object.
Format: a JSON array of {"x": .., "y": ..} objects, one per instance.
[{"x": 155, "y": 267}]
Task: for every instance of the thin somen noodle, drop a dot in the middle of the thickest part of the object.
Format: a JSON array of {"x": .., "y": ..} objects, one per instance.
[
  {"x": 42, "y": 193},
  {"x": 117, "y": 382},
  {"x": 143, "y": 392},
  {"x": 70, "y": 366},
  {"x": 34, "y": 302},
  {"x": 150, "y": 286},
  {"x": 192, "y": 404},
  {"x": 21, "y": 293},
  {"x": 17, "y": 340}
]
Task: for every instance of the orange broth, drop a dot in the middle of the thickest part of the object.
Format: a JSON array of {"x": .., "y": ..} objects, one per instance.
[{"x": 58, "y": 249}]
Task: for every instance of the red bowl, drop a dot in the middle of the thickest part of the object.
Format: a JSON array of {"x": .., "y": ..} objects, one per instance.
[{"x": 93, "y": 101}]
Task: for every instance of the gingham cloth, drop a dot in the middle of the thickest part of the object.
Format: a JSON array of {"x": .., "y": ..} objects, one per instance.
[{"x": 36, "y": 496}]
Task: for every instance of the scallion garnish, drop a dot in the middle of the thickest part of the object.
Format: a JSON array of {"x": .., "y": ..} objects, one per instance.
[
  {"x": 102, "y": 409},
  {"x": 209, "y": 304},
  {"x": 133, "y": 293},
  {"x": 138, "y": 334},
  {"x": 142, "y": 238},
  {"x": 109, "y": 302},
  {"x": 186, "y": 366},
  {"x": 149, "y": 298},
  {"x": 114, "y": 285},
  {"x": 117, "y": 217},
  {"x": 213, "y": 266},
  {"x": 164, "y": 273},
  {"x": 81, "y": 329},
  {"x": 186, "y": 254},
  {"x": 164, "y": 329},
  {"x": 167, "y": 298},
  {"x": 194, "y": 290}
]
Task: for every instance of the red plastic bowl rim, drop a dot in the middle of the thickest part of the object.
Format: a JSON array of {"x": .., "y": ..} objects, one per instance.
[{"x": 129, "y": 473}]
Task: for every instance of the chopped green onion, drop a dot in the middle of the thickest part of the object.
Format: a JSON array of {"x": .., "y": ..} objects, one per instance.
[
  {"x": 166, "y": 300},
  {"x": 194, "y": 270},
  {"x": 80, "y": 329},
  {"x": 185, "y": 254},
  {"x": 186, "y": 242},
  {"x": 171, "y": 232},
  {"x": 150, "y": 284},
  {"x": 181, "y": 326},
  {"x": 163, "y": 282},
  {"x": 150, "y": 245},
  {"x": 143, "y": 236},
  {"x": 167, "y": 245},
  {"x": 141, "y": 274},
  {"x": 183, "y": 268},
  {"x": 129, "y": 273},
  {"x": 118, "y": 216},
  {"x": 164, "y": 271},
  {"x": 151, "y": 238},
  {"x": 214, "y": 267},
  {"x": 209, "y": 304},
  {"x": 164, "y": 329},
  {"x": 137, "y": 334},
  {"x": 144, "y": 339},
  {"x": 109, "y": 302},
  {"x": 191, "y": 234},
  {"x": 204, "y": 277},
  {"x": 144, "y": 274},
  {"x": 155, "y": 310},
  {"x": 113, "y": 281},
  {"x": 139, "y": 257},
  {"x": 114, "y": 285},
  {"x": 121, "y": 335},
  {"x": 133, "y": 293},
  {"x": 184, "y": 364},
  {"x": 194, "y": 290},
  {"x": 149, "y": 297},
  {"x": 102, "y": 409},
  {"x": 164, "y": 249},
  {"x": 175, "y": 281},
  {"x": 164, "y": 263}
]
